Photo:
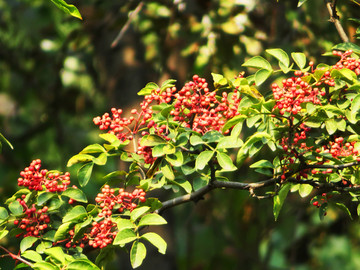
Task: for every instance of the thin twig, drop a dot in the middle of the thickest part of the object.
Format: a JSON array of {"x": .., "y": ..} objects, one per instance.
[
  {"x": 15, "y": 257},
  {"x": 335, "y": 166},
  {"x": 127, "y": 24},
  {"x": 334, "y": 18}
]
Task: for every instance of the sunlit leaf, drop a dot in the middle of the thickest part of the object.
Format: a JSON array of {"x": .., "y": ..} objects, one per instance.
[
  {"x": 203, "y": 159},
  {"x": 225, "y": 162},
  {"x": 258, "y": 62},
  {"x": 156, "y": 240},
  {"x": 137, "y": 254},
  {"x": 279, "y": 199},
  {"x": 27, "y": 242},
  {"x": 280, "y": 55},
  {"x": 300, "y": 59},
  {"x": 68, "y": 9}
]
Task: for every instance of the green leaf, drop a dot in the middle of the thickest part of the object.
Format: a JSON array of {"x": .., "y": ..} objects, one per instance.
[
  {"x": 203, "y": 159},
  {"x": 63, "y": 231},
  {"x": 2, "y": 138},
  {"x": 44, "y": 197},
  {"x": 81, "y": 264},
  {"x": 93, "y": 148},
  {"x": 167, "y": 171},
  {"x": 123, "y": 223},
  {"x": 163, "y": 149},
  {"x": 104, "y": 255},
  {"x": 301, "y": 2},
  {"x": 158, "y": 150},
  {"x": 148, "y": 89},
  {"x": 251, "y": 120},
  {"x": 305, "y": 190},
  {"x": 27, "y": 242},
  {"x": 31, "y": 255},
  {"x": 264, "y": 137},
  {"x": 152, "y": 140},
  {"x": 43, "y": 246},
  {"x": 200, "y": 182},
  {"x": 331, "y": 126},
  {"x": 258, "y": 62},
  {"x": 225, "y": 162},
  {"x": 264, "y": 171},
  {"x": 3, "y": 233},
  {"x": 237, "y": 120},
  {"x": 137, "y": 254},
  {"x": 219, "y": 80},
  {"x": 196, "y": 140},
  {"x": 261, "y": 76},
  {"x": 167, "y": 84},
  {"x": 137, "y": 212},
  {"x": 346, "y": 74},
  {"x": 114, "y": 175},
  {"x": 212, "y": 136},
  {"x": 110, "y": 138},
  {"x": 84, "y": 173},
  {"x": 156, "y": 240},
  {"x": 79, "y": 158},
  {"x": 183, "y": 183},
  {"x": 101, "y": 159},
  {"x": 347, "y": 46},
  {"x": 3, "y": 213},
  {"x": 229, "y": 142},
  {"x": 262, "y": 164},
  {"x": 176, "y": 159},
  {"x": 351, "y": 117},
  {"x": 125, "y": 236},
  {"x": 75, "y": 194},
  {"x": 344, "y": 208},
  {"x": 280, "y": 55},
  {"x": 78, "y": 213},
  {"x": 68, "y": 9},
  {"x": 56, "y": 253},
  {"x": 45, "y": 266},
  {"x": 16, "y": 208},
  {"x": 152, "y": 219},
  {"x": 355, "y": 104},
  {"x": 300, "y": 59},
  {"x": 279, "y": 199}
]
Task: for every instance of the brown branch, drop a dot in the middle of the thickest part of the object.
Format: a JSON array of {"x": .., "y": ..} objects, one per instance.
[
  {"x": 334, "y": 18},
  {"x": 198, "y": 195},
  {"x": 15, "y": 257},
  {"x": 127, "y": 24}
]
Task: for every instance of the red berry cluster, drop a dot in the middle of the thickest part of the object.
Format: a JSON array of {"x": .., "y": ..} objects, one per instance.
[
  {"x": 293, "y": 92},
  {"x": 341, "y": 149},
  {"x": 35, "y": 179},
  {"x": 347, "y": 61},
  {"x": 35, "y": 220},
  {"x": 197, "y": 107},
  {"x": 104, "y": 231},
  {"x": 108, "y": 201}
]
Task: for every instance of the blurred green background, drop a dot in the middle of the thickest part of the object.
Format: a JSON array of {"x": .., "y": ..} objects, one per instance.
[{"x": 57, "y": 73}]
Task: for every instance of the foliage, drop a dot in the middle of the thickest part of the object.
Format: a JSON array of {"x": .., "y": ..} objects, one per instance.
[
  {"x": 185, "y": 139},
  {"x": 301, "y": 137}
]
